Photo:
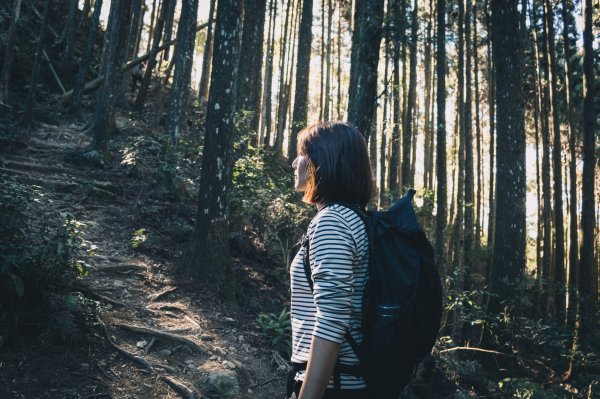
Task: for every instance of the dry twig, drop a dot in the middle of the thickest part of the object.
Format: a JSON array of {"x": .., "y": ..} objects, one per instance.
[{"x": 181, "y": 389}]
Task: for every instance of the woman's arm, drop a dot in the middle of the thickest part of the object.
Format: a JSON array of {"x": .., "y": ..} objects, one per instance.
[{"x": 321, "y": 362}]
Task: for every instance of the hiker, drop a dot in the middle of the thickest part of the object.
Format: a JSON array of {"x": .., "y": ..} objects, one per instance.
[
  {"x": 137, "y": 76},
  {"x": 332, "y": 166}
]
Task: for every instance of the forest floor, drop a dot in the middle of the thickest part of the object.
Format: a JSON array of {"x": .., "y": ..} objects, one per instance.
[{"x": 155, "y": 334}]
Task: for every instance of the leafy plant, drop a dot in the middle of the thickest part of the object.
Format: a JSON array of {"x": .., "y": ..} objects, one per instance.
[{"x": 278, "y": 329}]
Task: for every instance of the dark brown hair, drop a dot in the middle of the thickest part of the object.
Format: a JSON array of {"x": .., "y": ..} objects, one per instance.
[{"x": 338, "y": 164}]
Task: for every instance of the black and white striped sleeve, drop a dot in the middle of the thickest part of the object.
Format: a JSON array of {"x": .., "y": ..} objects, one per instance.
[{"x": 332, "y": 254}]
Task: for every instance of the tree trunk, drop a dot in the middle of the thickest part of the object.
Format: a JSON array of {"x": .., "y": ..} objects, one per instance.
[
  {"x": 510, "y": 234},
  {"x": 267, "y": 103},
  {"x": 104, "y": 118},
  {"x": 251, "y": 55},
  {"x": 8, "y": 53},
  {"x": 282, "y": 100},
  {"x": 158, "y": 30},
  {"x": 428, "y": 132},
  {"x": 363, "y": 80},
  {"x": 27, "y": 117},
  {"x": 327, "y": 96},
  {"x": 480, "y": 188},
  {"x": 544, "y": 107},
  {"x": 407, "y": 133},
  {"x": 207, "y": 56},
  {"x": 559, "y": 251},
  {"x": 86, "y": 59},
  {"x": 384, "y": 126},
  {"x": 394, "y": 163},
  {"x": 587, "y": 286},
  {"x": 169, "y": 27},
  {"x": 492, "y": 123},
  {"x": 299, "y": 118},
  {"x": 569, "y": 46},
  {"x": 182, "y": 56},
  {"x": 68, "y": 37},
  {"x": 469, "y": 175},
  {"x": 152, "y": 23},
  {"x": 208, "y": 256},
  {"x": 441, "y": 199}
]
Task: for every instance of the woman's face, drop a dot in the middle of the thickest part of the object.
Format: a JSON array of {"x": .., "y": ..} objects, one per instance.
[{"x": 300, "y": 166}]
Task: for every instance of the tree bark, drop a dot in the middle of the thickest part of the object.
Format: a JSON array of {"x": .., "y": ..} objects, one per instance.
[
  {"x": 158, "y": 30},
  {"x": 182, "y": 56},
  {"x": 27, "y": 117},
  {"x": 365, "y": 50},
  {"x": 267, "y": 105},
  {"x": 169, "y": 27},
  {"x": 104, "y": 118},
  {"x": 8, "y": 53},
  {"x": 510, "y": 234},
  {"x": 68, "y": 37},
  {"x": 559, "y": 233},
  {"x": 250, "y": 69},
  {"x": 441, "y": 198},
  {"x": 587, "y": 286},
  {"x": 407, "y": 141},
  {"x": 299, "y": 118},
  {"x": 208, "y": 256},
  {"x": 468, "y": 135},
  {"x": 569, "y": 46},
  {"x": 394, "y": 163},
  {"x": 207, "y": 56},
  {"x": 86, "y": 59}
]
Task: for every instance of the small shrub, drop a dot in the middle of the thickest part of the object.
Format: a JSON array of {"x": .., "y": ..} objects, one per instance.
[{"x": 278, "y": 329}]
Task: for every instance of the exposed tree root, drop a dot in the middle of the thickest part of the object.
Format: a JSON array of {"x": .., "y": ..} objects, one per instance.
[
  {"x": 163, "y": 293},
  {"x": 94, "y": 295},
  {"x": 181, "y": 389},
  {"x": 124, "y": 352},
  {"x": 163, "y": 334}
]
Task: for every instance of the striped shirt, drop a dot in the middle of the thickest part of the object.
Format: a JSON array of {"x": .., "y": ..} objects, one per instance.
[{"x": 339, "y": 260}]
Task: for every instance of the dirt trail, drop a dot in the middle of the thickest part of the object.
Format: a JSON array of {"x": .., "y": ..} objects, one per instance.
[{"x": 156, "y": 335}]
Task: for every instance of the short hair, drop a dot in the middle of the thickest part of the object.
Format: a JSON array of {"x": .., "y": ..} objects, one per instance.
[{"x": 339, "y": 169}]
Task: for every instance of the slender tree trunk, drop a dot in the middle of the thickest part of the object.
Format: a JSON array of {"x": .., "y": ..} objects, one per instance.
[
  {"x": 267, "y": 101},
  {"x": 492, "y": 123},
  {"x": 281, "y": 98},
  {"x": 587, "y": 286},
  {"x": 510, "y": 235},
  {"x": 27, "y": 117},
  {"x": 383, "y": 144},
  {"x": 339, "y": 66},
  {"x": 207, "y": 55},
  {"x": 250, "y": 69},
  {"x": 208, "y": 257},
  {"x": 322, "y": 70},
  {"x": 169, "y": 28},
  {"x": 326, "y": 112},
  {"x": 428, "y": 133},
  {"x": 545, "y": 106},
  {"x": 158, "y": 30},
  {"x": 155, "y": 3},
  {"x": 394, "y": 163},
  {"x": 182, "y": 56},
  {"x": 104, "y": 118},
  {"x": 559, "y": 251},
  {"x": 67, "y": 38},
  {"x": 363, "y": 80},
  {"x": 407, "y": 133},
  {"x": 441, "y": 199},
  {"x": 299, "y": 118},
  {"x": 480, "y": 188},
  {"x": 8, "y": 53},
  {"x": 86, "y": 59},
  {"x": 569, "y": 45},
  {"x": 468, "y": 135}
]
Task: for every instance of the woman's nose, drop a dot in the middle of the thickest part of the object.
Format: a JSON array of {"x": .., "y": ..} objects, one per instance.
[{"x": 295, "y": 163}]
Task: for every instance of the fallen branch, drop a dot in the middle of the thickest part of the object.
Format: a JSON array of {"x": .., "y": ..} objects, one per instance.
[
  {"x": 54, "y": 74},
  {"x": 96, "y": 83},
  {"x": 260, "y": 384},
  {"x": 181, "y": 389},
  {"x": 124, "y": 352},
  {"x": 468, "y": 348},
  {"x": 162, "y": 334},
  {"x": 163, "y": 293}
]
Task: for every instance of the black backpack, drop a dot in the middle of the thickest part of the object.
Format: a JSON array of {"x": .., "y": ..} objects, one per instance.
[{"x": 402, "y": 301}]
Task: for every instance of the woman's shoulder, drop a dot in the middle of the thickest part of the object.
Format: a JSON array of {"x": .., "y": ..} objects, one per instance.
[{"x": 340, "y": 214}]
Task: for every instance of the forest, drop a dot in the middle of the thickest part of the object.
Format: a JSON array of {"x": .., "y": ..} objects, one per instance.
[{"x": 148, "y": 216}]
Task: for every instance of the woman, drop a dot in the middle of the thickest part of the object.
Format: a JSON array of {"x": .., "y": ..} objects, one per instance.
[{"x": 332, "y": 168}]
